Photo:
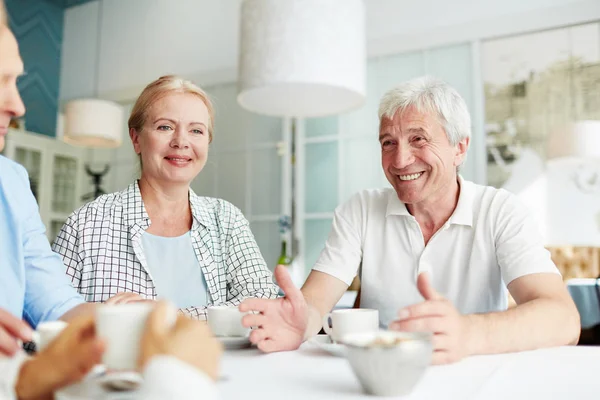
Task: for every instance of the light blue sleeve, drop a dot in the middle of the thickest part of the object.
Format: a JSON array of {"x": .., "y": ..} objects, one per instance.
[{"x": 48, "y": 292}]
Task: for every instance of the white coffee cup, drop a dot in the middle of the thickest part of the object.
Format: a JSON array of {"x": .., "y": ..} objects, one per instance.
[
  {"x": 355, "y": 320},
  {"x": 122, "y": 326},
  {"x": 226, "y": 321},
  {"x": 46, "y": 332}
]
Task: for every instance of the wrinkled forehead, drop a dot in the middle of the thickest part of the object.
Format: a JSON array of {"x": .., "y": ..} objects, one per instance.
[{"x": 410, "y": 115}]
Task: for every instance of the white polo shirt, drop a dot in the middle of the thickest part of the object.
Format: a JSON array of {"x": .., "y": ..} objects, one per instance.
[{"x": 488, "y": 241}]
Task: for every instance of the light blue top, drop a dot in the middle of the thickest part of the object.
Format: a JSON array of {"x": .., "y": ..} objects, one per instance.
[
  {"x": 175, "y": 270},
  {"x": 33, "y": 284}
]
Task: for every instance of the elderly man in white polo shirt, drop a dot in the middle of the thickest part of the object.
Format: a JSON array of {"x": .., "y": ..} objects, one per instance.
[{"x": 435, "y": 253}]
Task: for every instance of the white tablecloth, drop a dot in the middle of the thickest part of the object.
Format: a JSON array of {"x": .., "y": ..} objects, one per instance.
[
  {"x": 310, "y": 373},
  {"x": 586, "y": 297}
]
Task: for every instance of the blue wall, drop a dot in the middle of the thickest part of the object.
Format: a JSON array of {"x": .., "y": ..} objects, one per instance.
[{"x": 38, "y": 26}]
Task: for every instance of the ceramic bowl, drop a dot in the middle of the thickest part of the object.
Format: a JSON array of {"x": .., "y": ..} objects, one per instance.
[{"x": 388, "y": 363}]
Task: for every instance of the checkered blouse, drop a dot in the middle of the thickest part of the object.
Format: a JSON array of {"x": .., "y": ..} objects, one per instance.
[{"x": 101, "y": 247}]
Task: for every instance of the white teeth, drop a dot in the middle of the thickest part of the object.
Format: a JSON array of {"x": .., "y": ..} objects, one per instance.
[
  {"x": 411, "y": 177},
  {"x": 177, "y": 159}
]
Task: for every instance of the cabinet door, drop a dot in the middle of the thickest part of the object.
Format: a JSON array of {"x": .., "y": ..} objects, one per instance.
[
  {"x": 54, "y": 170},
  {"x": 65, "y": 191},
  {"x": 31, "y": 159},
  {"x": 64, "y": 183},
  {"x": 32, "y": 153}
]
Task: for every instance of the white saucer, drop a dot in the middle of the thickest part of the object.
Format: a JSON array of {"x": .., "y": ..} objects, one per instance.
[
  {"x": 120, "y": 381},
  {"x": 234, "y": 342},
  {"x": 324, "y": 342}
]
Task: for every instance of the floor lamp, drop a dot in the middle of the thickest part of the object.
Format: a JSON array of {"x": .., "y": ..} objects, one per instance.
[
  {"x": 93, "y": 122},
  {"x": 301, "y": 59}
]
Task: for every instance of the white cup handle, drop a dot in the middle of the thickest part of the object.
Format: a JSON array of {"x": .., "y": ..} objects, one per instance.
[
  {"x": 36, "y": 339},
  {"x": 328, "y": 329}
]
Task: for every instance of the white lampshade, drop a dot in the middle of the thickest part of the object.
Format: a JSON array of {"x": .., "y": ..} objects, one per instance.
[
  {"x": 93, "y": 123},
  {"x": 302, "y": 58},
  {"x": 580, "y": 140}
]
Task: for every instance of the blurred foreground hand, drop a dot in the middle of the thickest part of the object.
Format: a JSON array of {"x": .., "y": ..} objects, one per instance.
[
  {"x": 187, "y": 340},
  {"x": 66, "y": 360}
]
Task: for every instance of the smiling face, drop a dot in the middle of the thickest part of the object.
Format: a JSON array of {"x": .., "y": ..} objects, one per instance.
[
  {"x": 417, "y": 158},
  {"x": 11, "y": 67},
  {"x": 173, "y": 144}
]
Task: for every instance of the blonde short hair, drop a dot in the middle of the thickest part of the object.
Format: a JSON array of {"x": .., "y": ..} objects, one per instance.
[{"x": 158, "y": 89}]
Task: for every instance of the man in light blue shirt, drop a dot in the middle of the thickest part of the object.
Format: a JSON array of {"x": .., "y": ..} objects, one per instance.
[
  {"x": 33, "y": 285},
  {"x": 32, "y": 282}
]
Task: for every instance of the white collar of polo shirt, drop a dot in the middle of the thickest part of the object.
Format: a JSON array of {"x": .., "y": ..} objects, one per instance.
[{"x": 462, "y": 215}]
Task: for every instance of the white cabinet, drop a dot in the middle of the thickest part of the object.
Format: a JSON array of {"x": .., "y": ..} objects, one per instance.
[{"x": 55, "y": 173}]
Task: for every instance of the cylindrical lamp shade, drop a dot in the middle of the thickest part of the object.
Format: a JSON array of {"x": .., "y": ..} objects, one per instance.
[
  {"x": 93, "y": 123},
  {"x": 302, "y": 58},
  {"x": 581, "y": 140}
]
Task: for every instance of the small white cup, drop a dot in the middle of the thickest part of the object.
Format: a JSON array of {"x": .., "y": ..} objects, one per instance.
[
  {"x": 226, "y": 321},
  {"x": 121, "y": 326},
  {"x": 46, "y": 332},
  {"x": 347, "y": 321}
]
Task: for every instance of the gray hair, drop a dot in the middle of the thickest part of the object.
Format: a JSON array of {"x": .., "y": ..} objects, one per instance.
[{"x": 434, "y": 95}]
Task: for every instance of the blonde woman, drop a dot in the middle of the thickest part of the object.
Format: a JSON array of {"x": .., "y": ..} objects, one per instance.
[{"x": 157, "y": 238}]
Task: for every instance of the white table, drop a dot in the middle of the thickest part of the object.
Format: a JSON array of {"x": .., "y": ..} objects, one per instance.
[
  {"x": 310, "y": 373},
  {"x": 585, "y": 294}
]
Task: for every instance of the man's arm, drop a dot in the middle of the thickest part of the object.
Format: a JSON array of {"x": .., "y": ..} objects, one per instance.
[
  {"x": 321, "y": 292},
  {"x": 284, "y": 323},
  {"x": 545, "y": 316}
]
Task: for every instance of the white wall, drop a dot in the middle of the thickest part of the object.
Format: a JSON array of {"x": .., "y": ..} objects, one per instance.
[
  {"x": 400, "y": 17},
  {"x": 143, "y": 39},
  {"x": 573, "y": 216}
]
